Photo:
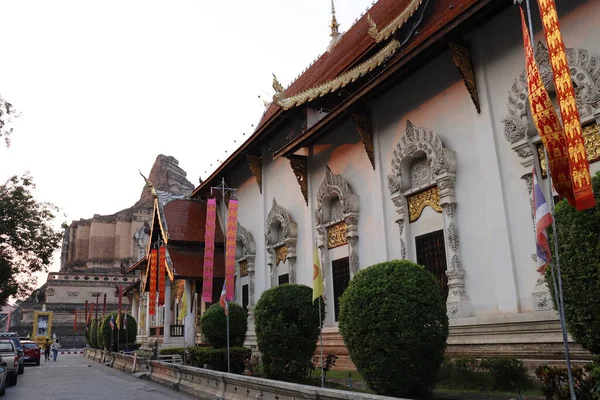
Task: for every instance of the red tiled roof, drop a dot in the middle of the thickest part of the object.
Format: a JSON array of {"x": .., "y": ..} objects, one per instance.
[
  {"x": 142, "y": 263},
  {"x": 186, "y": 221},
  {"x": 190, "y": 263},
  {"x": 350, "y": 48}
]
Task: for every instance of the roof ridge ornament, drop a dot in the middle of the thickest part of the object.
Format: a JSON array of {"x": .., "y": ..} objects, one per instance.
[
  {"x": 389, "y": 29},
  {"x": 334, "y": 24}
]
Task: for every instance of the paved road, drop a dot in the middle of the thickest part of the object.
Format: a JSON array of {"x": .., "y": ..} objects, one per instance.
[{"x": 74, "y": 377}]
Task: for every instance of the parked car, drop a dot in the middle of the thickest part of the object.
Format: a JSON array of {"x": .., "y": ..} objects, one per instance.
[
  {"x": 12, "y": 336},
  {"x": 31, "y": 352},
  {"x": 8, "y": 353},
  {"x": 3, "y": 374}
]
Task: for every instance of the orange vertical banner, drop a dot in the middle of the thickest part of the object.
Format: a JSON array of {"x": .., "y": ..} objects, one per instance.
[
  {"x": 565, "y": 95},
  {"x": 547, "y": 123},
  {"x": 162, "y": 270},
  {"x": 152, "y": 289},
  {"x": 230, "y": 249}
]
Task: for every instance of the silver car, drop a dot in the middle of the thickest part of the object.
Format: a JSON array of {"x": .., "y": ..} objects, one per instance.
[{"x": 2, "y": 376}]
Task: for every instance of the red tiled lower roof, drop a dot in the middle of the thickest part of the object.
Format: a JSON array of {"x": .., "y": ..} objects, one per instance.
[
  {"x": 189, "y": 263},
  {"x": 141, "y": 264},
  {"x": 186, "y": 221}
]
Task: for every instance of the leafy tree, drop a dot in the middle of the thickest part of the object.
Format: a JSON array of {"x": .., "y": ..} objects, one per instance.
[
  {"x": 125, "y": 336},
  {"x": 27, "y": 237},
  {"x": 394, "y": 324},
  {"x": 214, "y": 325},
  {"x": 579, "y": 249},
  {"x": 7, "y": 113}
]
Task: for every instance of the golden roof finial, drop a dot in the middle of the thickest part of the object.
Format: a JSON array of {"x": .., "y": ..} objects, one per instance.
[
  {"x": 334, "y": 24},
  {"x": 149, "y": 185}
]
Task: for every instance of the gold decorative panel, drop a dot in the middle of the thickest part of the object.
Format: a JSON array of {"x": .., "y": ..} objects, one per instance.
[
  {"x": 244, "y": 268},
  {"x": 336, "y": 235},
  {"x": 591, "y": 136},
  {"x": 542, "y": 158},
  {"x": 281, "y": 254},
  {"x": 417, "y": 202}
]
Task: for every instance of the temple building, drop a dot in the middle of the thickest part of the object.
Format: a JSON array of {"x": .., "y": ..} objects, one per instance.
[
  {"x": 95, "y": 254},
  {"x": 410, "y": 137}
]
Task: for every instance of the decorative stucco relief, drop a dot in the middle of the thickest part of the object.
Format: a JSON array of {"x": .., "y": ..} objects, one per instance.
[
  {"x": 585, "y": 73},
  {"x": 280, "y": 220},
  {"x": 414, "y": 146},
  {"x": 332, "y": 189}
]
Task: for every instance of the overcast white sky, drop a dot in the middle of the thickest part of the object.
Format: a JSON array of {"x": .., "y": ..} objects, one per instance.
[{"x": 105, "y": 86}]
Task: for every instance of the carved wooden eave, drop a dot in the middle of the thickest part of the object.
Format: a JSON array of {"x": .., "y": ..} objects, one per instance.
[
  {"x": 300, "y": 167},
  {"x": 461, "y": 55},
  {"x": 362, "y": 121},
  {"x": 392, "y": 27},
  {"x": 336, "y": 83},
  {"x": 255, "y": 163}
]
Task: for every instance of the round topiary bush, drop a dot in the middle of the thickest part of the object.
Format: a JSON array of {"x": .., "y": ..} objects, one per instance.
[
  {"x": 214, "y": 326},
  {"x": 579, "y": 249},
  {"x": 394, "y": 324},
  {"x": 87, "y": 334},
  {"x": 107, "y": 333},
  {"x": 287, "y": 330},
  {"x": 94, "y": 333}
]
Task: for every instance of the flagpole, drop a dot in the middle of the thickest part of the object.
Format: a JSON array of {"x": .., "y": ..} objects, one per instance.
[
  {"x": 227, "y": 318},
  {"x": 554, "y": 265},
  {"x": 321, "y": 335}
]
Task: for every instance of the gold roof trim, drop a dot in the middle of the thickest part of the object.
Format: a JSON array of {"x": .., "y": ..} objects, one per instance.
[
  {"x": 393, "y": 26},
  {"x": 336, "y": 83}
]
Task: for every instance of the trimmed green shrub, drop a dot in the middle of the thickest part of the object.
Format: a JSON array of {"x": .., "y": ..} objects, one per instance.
[
  {"x": 463, "y": 373},
  {"x": 100, "y": 339},
  {"x": 214, "y": 326},
  {"x": 508, "y": 373},
  {"x": 394, "y": 324},
  {"x": 107, "y": 332},
  {"x": 287, "y": 330},
  {"x": 172, "y": 351},
  {"x": 579, "y": 248},
  {"x": 217, "y": 358},
  {"x": 94, "y": 334}
]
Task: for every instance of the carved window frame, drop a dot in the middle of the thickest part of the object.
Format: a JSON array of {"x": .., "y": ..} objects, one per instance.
[
  {"x": 415, "y": 143},
  {"x": 279, "y": 215},
  {"x": 248, "y": 256},
  {"x": 518, "y": 125},
  {"x": 336, "y": 186}
]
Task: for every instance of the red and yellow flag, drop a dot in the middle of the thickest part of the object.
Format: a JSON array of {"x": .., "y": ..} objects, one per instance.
[
  {"x": 152, "y": 280},
  {"x": 547, "y": 123},
  {"x": 162, "y": 270},
  {"x": 565, "y": 94}
]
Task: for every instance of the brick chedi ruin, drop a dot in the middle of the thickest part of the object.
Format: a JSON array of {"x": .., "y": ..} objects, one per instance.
[{"x": 95, "y": 254}]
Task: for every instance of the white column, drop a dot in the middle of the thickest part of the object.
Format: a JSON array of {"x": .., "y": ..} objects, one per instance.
[
  {"x": 168, "y": 313},
  {"x": 135, "y": 307},
  {"x": 189, "y": 321}
]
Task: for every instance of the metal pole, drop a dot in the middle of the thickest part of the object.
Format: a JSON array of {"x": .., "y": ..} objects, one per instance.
[
  {"x": 321, "y": 335},
  {"x": 555, "y": 266},
  {"x": 228, "y": 355}
]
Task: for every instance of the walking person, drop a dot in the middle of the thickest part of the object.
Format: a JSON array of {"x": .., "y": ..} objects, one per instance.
[
  {"x": 55, "y": 348},
  {"x": 47, "y": 350}
]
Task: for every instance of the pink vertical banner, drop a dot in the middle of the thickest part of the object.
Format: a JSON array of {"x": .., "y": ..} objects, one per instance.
[
  {"x": 230, "y": 249},
  {"x": 209, "y": 250}
]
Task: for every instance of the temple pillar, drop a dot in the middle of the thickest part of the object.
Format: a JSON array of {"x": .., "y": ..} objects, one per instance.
[
  {"x": 135, "y": 307},
  {"x": 168, "y": 314},
  {"x": 189, "y": 321}
]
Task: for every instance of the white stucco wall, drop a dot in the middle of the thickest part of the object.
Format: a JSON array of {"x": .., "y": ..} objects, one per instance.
[{"x": 493, "y": 213}]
